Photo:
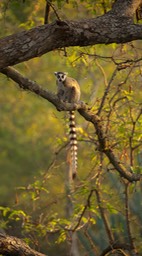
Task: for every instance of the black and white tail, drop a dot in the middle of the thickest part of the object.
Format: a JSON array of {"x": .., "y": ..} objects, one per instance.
[{"x": 73, "y": 143}]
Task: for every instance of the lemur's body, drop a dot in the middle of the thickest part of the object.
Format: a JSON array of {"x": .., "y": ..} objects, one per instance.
[{"x": 68, "y": 90}]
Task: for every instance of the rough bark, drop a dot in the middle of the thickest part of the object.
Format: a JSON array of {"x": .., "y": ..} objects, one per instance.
[
  {"x": 115, "y": 26},
  {"x": 12, "y": 246}
]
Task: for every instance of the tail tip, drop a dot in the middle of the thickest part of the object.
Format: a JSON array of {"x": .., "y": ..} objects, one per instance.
[{"x": 74, "y": 175}]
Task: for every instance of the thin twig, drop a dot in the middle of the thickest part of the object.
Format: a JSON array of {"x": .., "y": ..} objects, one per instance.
[
  {"x": 106, "y": 92},
  {"x": 52, "y": 6},
  {"x": 134, "y": 122},
  {"x": 127, "y": 215},
  {"x": 84, "y": 209},
  {"x": 103, "y": 72},
  {"x": 104, "y": 217}
]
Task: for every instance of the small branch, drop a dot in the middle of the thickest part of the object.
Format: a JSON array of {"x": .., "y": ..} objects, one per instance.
[
  {"x": 131, "y": 136},
  {"x": 104, "y": 218},
  {"x": 12, "y": 246},
  {"x": 112, "y": 108},
  {"x": 128, "y": 221},
  {"x": 103, "y": 72},
  {"x": 123, "y": 171},
  {"x": 134, "y": 122},
  {"x": 47, "y": 10},
  {"x": 106, "y": 92},
  {"x": 84, "y": 209}
]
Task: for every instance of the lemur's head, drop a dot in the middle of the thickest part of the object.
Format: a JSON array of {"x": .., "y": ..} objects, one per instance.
[{"x": 61, "y": 76}]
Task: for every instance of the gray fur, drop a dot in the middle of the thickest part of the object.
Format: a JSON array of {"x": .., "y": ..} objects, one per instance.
[{"x": 68, "y": 90}]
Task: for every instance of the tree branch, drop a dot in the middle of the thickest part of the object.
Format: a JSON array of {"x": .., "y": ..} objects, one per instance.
[
  {"x": 128, "y": 221},
  {"x": 84, "y": 209},
  {"x": 83, "y": 109},
  {"x": 11, "y": 246},
  {"x": 27, "y": 84},
  {"x": 117, "y": 247},
  {"x": 104, "y": 217},
  {"x": 116, "y": 26},
  {"x": 123, "y": 171}
]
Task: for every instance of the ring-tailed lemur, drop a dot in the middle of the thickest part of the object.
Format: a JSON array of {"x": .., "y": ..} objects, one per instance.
[{"x": 69, "y": 91}]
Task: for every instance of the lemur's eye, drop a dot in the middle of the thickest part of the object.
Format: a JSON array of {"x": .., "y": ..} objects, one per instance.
[{"x": 62, "y": 76}]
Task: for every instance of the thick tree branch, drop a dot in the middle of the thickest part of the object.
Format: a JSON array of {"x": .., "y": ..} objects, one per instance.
[
  {"x": 27, "y": 84},
  {"x": 114, "y": 26},
  {"x": 12, "y": 246}
]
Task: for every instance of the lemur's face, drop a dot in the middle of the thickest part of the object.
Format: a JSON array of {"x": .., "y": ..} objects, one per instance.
[{"x": 61, "y": 76}]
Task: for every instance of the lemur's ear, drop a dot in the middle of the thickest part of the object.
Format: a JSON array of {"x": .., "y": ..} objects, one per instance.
[
  {"x": 66, "y": 73},
  {"x": 55, "y": 73}
]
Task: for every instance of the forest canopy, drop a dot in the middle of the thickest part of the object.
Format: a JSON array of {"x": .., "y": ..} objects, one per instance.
[{"x": 99, "y": 44}]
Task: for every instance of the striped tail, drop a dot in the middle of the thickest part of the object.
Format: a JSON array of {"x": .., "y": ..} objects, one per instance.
[{"x": 73, "y": 144}]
